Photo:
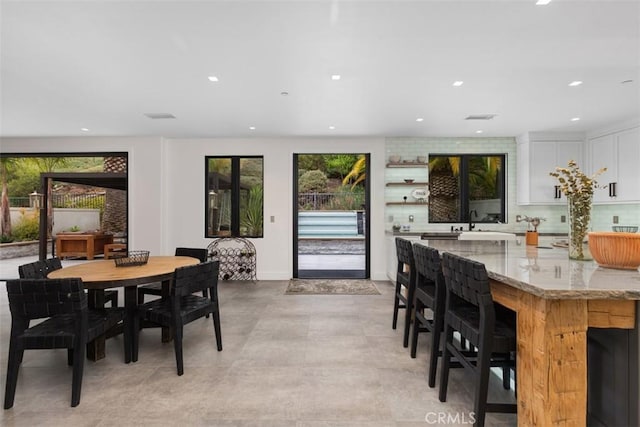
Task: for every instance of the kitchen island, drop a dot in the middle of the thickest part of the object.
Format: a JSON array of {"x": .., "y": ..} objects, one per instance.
[{"x": 557, "y": 301}]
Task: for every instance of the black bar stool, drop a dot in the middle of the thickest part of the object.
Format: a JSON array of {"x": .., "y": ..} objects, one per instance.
[
  {"x": 430, "y": 294},
  {"x": 470, "y": 310},
  {"x": 405, "y": 282}
]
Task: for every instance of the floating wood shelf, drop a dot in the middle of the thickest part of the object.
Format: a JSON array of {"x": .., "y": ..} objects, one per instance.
[
  {"x": 391, "y": 184},
  {"x": 406, "y": 203},
  {"x": 406, "y": 165}
]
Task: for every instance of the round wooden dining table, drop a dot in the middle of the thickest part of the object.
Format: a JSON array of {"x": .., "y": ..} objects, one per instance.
[{"x": 100, "y": 275}]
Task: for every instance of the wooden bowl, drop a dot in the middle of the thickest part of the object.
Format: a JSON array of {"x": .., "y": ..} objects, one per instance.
[{"x": 615, "y": 250}]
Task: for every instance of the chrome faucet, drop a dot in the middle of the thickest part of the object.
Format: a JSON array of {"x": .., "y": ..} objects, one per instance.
[{"x": 471, "y": 224}]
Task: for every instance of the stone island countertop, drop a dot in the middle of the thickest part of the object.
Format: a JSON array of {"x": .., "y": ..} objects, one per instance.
[{"x": 545, "y": 271}]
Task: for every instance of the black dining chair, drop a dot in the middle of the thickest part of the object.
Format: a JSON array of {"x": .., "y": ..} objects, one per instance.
[
  {"x": 156, "y": 288},
  {"x": 405, "y": 285},
  {"x": 471, "y": 311},
  {"x": 69, "y": 324},
  {"x": 183, "y": 306},
  {"x": 430, "y": 293},
  {"x": 33, "y": 270},
  {"x": 40, "y": 269}
]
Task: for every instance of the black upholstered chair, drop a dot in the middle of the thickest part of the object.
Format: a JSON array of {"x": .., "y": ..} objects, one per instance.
[
  {"x": 470, "y": 310},
  {"x": 430, "y": 292},
  {"x": 69, "y": 324},
  {"x": 405, "y": 285},
  {"x": 183, "y": 306},
  {"x": 156, "y": 288}
]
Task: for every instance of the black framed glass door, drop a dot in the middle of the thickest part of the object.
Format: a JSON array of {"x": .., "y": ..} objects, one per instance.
[{"x": 331, "y": 216}]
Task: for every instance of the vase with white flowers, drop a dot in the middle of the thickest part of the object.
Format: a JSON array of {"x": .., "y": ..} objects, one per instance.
[{"x": 579, "y": 189}]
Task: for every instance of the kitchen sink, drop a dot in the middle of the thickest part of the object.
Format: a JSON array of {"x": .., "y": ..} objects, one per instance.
[
  {"x": 486, "y": 235},
  {"x": 440, "y": 235},
  {"x": 467, "y": 235}
]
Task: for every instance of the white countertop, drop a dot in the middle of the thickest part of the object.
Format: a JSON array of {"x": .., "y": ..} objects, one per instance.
[{"x": 545, "y": 271}]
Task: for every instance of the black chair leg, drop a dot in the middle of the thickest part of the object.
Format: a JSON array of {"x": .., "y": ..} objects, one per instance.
[
  {"x": 482, "y": 382},
  {"x": 416, "y": 331},
  {"x": 177, "y": 345},
  {"x": 407, "y": 318},
  {"x": 78, "y": 367},
  {"x": 216, "y": 327},
  {"x": 446, "y": 360},
  {"x": 13, "y": 367},
  {"x": 435, "y": 349},
  {"x": 205, "y": 294},
  {"x": 70, "y": 356},
  {"x": 396, "y": 305}
]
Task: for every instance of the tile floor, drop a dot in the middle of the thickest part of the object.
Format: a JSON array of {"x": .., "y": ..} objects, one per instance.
[{"x": 288, "y": 360}]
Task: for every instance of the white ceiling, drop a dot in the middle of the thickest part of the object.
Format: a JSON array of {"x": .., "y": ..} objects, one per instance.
[{"x": 101, "y": 65}]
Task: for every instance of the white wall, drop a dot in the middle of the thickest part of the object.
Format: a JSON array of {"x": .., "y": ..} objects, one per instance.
[
  {"x": 185, "y": 183},
  {"x": 166, "y": 189}
]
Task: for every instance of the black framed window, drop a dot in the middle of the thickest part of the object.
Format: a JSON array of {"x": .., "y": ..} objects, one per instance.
[
  {"x": 234, "y": 191},
  {"x": 467, "y": 187}
]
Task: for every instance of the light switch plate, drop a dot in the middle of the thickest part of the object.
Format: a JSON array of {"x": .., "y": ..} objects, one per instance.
[
  {"x": 563, "y": 218},
  {"x": 615, "y": 219}
]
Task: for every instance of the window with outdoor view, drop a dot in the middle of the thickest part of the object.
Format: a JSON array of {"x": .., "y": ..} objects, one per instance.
[
  {"x": 468, "y": 187},
  {"x": 234, "y": 196}
]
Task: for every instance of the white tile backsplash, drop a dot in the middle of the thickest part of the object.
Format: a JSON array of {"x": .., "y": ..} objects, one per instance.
[{"x": 410, "y": 148}]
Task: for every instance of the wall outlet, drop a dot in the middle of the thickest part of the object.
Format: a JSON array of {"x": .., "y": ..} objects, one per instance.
[
  {"x": 615, "y": 219},
  {"x": 563, "y": 218}
]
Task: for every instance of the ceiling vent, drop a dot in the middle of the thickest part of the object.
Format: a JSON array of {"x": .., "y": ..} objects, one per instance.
[
  {"x": 160, "y": 115},
  {"x": 480, "y": 117}
]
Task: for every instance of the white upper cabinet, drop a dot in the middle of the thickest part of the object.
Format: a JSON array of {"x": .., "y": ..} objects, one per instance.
[
  {"x": 537, "y": 157},
  {"x": 619, "y": 152}
]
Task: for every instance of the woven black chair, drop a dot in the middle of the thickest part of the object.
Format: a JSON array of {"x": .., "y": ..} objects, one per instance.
[
  {"x": 184, "y": 307},
  {"x": 470, "y": 310},
  {"x": 40, "y": 270},
  {"x": 69, "y": 324},
  {"x": 156, "y": 288},
  {"x": 430, "y": 293},
  {"x": 405, "y": 285},
  {"x": 33, "y": 270}
]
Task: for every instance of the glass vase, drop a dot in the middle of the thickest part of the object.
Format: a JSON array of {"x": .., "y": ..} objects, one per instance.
[{"x": 579, "y": 209}]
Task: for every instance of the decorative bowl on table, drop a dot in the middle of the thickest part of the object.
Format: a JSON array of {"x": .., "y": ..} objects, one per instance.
[
  {"x": 615, "y": 249},
  {"x": 133, "y": 258}
]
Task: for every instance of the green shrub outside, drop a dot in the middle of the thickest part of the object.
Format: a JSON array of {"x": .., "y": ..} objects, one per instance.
[
  {"x": 27, "y": 227},
  {"x": 314, "y": 180}
]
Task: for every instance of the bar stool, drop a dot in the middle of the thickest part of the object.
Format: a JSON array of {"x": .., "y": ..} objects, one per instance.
[
  {"x": 470, "y": 310},
  {"x": 405, "y": 282},
  {"x": 430, "y": 292}
]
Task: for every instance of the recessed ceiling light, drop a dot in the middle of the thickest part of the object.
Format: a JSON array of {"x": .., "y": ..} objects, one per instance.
[
  {"x": 419, "y": 119},
  {"x": 84, "y": 129},
  {"x": 575, "y": 83},
  {"x": 212, "y": 78},
  {"x": 479, "y": 131},
  {"x": 157, "y": 116},
  {"x": 252, "y": 128},
  {"x": 332, "y": 127},
  {"x": 543, "y": 2},
  {"x": 335, "y": 77},
  {"x": 284, "y": 93},
  {"x": 575, "y": 119},
  {"x": 458, "y": 83}
]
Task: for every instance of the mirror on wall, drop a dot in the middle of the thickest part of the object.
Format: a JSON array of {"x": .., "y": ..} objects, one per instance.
[{"x": 467, "y": 188}]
